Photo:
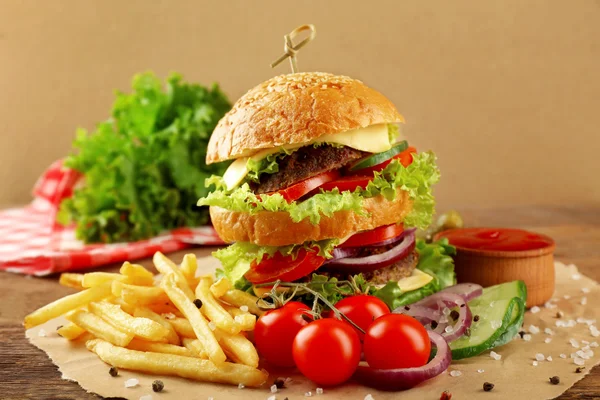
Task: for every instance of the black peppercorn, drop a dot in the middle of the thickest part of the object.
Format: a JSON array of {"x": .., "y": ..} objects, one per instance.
[
  {"x": 113, "y": 371},
  {"x": 555, "y": 380},
  {"x": 158, "y": 386},
  {"x": 476, "y": 318},
  {"x": 454, "y": 315},
  {"x": 197, "y": 303},
  {"x": 434, "y": 324},
  {"x": 446, "y": 395},
  {"x": 579, "y": 370},
  {"x": 280, "y": 383},
  {"x": 487, "y": 386}
]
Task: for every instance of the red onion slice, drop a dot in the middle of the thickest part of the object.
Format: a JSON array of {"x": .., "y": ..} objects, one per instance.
[
  {"x": 422, "y": 314},
  {"x": 467, "y": 291},
  {"x": 376, "y": 261},
  {"x": 406, "y": 378}
]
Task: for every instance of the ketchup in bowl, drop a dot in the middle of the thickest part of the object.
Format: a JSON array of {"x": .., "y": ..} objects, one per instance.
[{"x": 496, "y": 239}]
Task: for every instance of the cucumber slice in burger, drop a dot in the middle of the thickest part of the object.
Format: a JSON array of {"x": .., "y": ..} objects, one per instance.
[{"x": 378, "y": 158}]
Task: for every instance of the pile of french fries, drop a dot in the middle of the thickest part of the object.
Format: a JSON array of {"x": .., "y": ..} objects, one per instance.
[{"x": 170, "y": 324}]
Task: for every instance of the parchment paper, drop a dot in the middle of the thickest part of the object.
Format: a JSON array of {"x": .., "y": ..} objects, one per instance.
[{"x": 514, "y": 376}]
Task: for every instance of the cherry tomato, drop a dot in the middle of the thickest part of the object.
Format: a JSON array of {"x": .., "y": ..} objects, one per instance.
[
  {"x": 374, "y": 236},
  {"x": 362, "y": 310},
  {"x": 404, "y": 157},
  {"x": 275, "y": 331},
  {"x": 327, "y": 351},
  {"x": 283, "y": 267},
  {"x": 347, "y": 183},
  {"x": 396, "y": 341},
  {"x": 301, "y": 188}
]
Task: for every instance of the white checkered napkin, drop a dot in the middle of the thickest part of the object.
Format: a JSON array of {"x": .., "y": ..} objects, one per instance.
[{"x": 32, "y": 242}]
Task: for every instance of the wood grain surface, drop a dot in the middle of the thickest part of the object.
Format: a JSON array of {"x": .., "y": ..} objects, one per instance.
[{"x": 27, "y": 373}]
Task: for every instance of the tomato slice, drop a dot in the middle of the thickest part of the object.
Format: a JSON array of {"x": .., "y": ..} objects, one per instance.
[
  {"x": 405, "y": 159},
  {"x": 374, "y": 236},
  {"x": 301, "y": 188},
  {"x": 347, "y": 183},
  {"x": 283, "y": 267}
]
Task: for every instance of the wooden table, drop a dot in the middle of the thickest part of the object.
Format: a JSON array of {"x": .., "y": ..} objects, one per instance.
[{"x": 27, "y": 373}]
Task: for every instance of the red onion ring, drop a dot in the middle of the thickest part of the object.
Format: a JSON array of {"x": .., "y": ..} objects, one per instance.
[
  {"x": 422, "y": 314},
  {"x": 467, "y": 291},
  {"x": 376, "y": 261},
  {"x": 406, "y": 378}
]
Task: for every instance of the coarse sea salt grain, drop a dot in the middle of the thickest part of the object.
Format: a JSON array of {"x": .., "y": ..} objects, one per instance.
[
  {"x": 579, "y": 361},
  {"x": 535, "y": 309},
  {"x": 594, "y": 344},
  {"x": 481, "y": 371},
  {"x": 241, "y": 386},
  {"x": 527, "y": 337},
  {"x": 540, "y": 357},
  {"x": 582, "y": 354},
  {"x": 549, "y": 358},
  {"x": 547, "y": 340},
  {"x": 273, "y": 388},
  {"x": 532, "y": 329},
  {"x": 574, "y": 343},
  {"x": 308, "y": 394},
  {"x": 585, "y": 342},
  {"x": 319, "y": 390},
  {"x": 212, "y": 325},
  {"x": 446, "y": 311},
  {"x": 448, "y": 329},
  {"x": 563, "y": 356},
  {"x": 594, "y": 331},
  {"x": 585, "y": 290},
  {"x": 576, "y": 277},
  {"x": 583, "y": 301},
  {"x": 560, "y": 323},
  {"x": 566, "y": 297},
  {"x": 455, "y": 373},
  {"x": 535, "y": 363},
  {"x": 369, "y": 397},
  {"x": 169, "y": 315},
  {"x": 496, "y": 324},
  {"x": 42, "y": 333},
  {"x": 571, "y": 323},
  {"x": 244, "y": 308},
  {"x": 129, "y": 383},
  {"x": 272, "y": 398},
  {"x": 495, "y": 355},
  {"x": 549, "y": 305},
  {"x": 146, "y": 397},
  {"x": 548, "y": 331}
]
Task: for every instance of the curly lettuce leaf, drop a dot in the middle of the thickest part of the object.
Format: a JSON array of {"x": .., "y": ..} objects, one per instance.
[
  {"x": 393, "y": 133},
  {"x": 416, "y": 179},
  {"x": 145, "y": 167},
  {"x": 434, "y": 259},
  {"x": 237, "y": 258}
]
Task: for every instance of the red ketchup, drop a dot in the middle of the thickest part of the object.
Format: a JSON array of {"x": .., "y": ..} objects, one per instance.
[{"x": 496, "y": 239}]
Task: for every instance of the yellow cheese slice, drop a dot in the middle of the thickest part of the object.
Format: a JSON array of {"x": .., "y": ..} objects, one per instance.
[
  {"x": 372, "y": 139},
  {"x": 417, "y": 280}
]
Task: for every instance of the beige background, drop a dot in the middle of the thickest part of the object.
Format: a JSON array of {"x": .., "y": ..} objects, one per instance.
[{"x": 507, "y": 93}]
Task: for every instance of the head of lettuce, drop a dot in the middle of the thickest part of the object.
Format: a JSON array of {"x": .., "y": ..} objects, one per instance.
[{"x": 322, "y": 187}]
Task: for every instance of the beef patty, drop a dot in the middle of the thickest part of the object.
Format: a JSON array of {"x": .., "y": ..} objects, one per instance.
[
  {"x": 304, "y": 163},
  {"x": 394, "y": 272}
]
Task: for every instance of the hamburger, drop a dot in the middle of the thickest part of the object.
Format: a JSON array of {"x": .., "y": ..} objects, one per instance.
[{"x": 322, "y": 186}]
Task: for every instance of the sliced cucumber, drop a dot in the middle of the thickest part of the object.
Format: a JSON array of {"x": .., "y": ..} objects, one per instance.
[
  {"x": 500, "y": 309},
  {"x": 378, "y": 158}
]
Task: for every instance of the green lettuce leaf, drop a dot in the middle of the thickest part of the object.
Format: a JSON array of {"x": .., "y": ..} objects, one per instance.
[
  {"x": 145, "y": 167},
  {"x": 434, "y": 259},
  {"x": 237, "y": 258},
  {"x": 416, "y": 179},
  {"x": 393, "y": 133}
]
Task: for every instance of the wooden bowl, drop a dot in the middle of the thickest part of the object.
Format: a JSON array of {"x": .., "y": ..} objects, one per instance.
[{"x": 490, "y": 267}]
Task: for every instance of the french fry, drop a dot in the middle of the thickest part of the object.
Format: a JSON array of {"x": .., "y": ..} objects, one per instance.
[
  {"x": 195, "y": 347},
  {"x": 165, "y": 308},
  {"x": 100, "y": 328},
  {"x": 238, "y": 348},
  {"x": 139, "y": 295},
  {"x": 166, "y": 348},
  {"x": 70, "y": 331},
  {"x": 136, "y": 271},
  {"x": 244, "y": 319},
  {"x": 128, "y": 308},
  {"x": 165, "y": 266},
  {"x": 197, "y": 320},
  {"x": 92, "y": 279},
  {"x": 238, "y": 298},
  {"x": 71, "y": 280},
  {"x": 183, "y": 327},
  {"x": 169, "y": 364},
  {"x": 212, "y": 309},
  {"x": 220, "y": 287},
  {"x": 142, "y": 312},
  {"x": 142, "y": 327},
  {"x": 189, "y": 265},
  {"x": 66, "y": 304}
]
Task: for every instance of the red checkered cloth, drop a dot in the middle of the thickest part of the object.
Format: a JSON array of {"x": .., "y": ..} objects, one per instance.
[{"x": 33, "y": 243}]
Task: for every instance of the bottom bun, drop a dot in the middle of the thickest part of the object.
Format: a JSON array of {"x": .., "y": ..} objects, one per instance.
[{"x": 277, "y": 228}]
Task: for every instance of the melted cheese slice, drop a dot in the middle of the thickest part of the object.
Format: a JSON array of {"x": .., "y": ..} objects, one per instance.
[
  {"x": 372, "y": 139},
  {"x": 417, "y": 280}
]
